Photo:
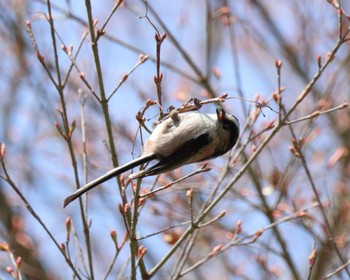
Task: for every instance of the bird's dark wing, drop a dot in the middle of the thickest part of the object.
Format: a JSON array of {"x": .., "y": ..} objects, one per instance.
[{"x": 180, "y": 157}]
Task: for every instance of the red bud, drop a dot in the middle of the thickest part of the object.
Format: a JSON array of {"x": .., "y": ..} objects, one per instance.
[{"x": 278, "y": 63}]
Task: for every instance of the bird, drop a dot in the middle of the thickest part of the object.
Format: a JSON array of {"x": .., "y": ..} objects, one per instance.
[{"x": 179, "y": 139}]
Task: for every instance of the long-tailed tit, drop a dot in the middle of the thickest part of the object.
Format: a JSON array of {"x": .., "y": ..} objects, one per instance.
[{"x": 178, "y": 140}]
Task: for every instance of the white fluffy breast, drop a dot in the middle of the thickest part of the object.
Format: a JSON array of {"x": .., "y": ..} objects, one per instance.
[{"x": 171, "y": 134}]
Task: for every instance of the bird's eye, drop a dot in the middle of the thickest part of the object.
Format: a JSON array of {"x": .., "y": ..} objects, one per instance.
[{"x": 225, "y": 126}]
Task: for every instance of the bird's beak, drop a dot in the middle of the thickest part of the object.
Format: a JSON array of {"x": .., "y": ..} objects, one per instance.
[{"x": 220, "y": 113}]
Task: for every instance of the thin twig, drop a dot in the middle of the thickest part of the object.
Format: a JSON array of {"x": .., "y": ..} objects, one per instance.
[
  {"x": 340, "y": 268},
  {"x": 163, "y": 230},
  {"x": 82, "y": 99},
  {"x": 312, "y": 259},
  {"x": 201, "y": 78},
  {"x": 30, "y": 209},
  {"x": 103, "y": 28},
  {"x": 200, "y": 170},
  {"x": 251, "y": 238},
  {"x": 81, "y": 73},
  {"x": 315, "y": 114},
  {"x": 184, "y": 255},
  {"x": 323, "y": 212},
  {"x": 68, "y": 131},
  {"x": 142, "y": 59}
]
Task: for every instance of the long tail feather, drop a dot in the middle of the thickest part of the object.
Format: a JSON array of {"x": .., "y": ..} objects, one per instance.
[{"x": 111, "y": 174}]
